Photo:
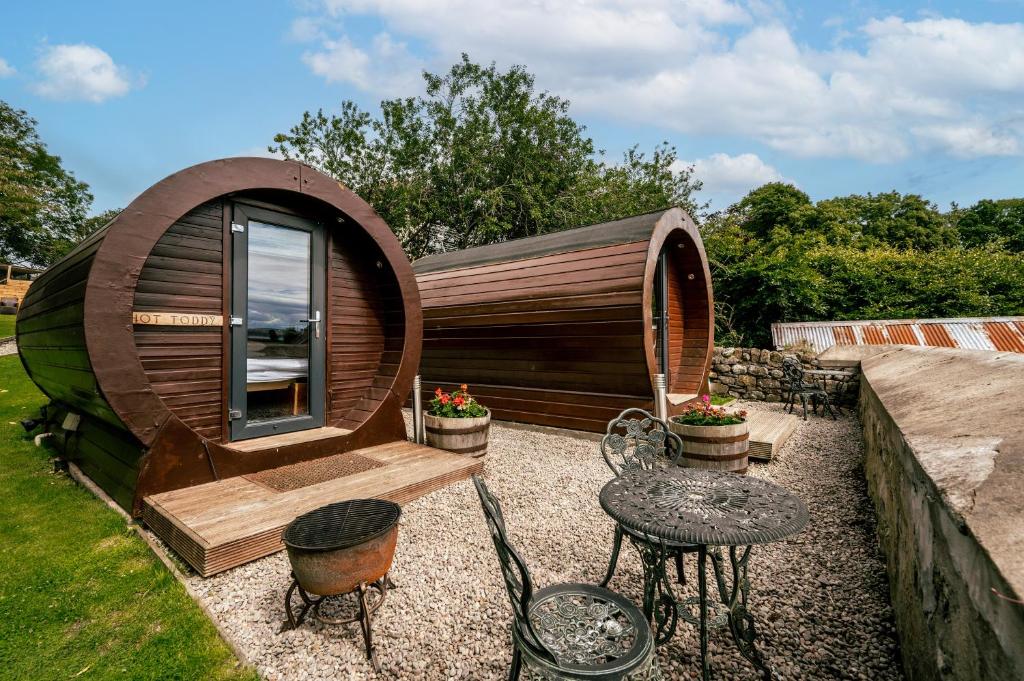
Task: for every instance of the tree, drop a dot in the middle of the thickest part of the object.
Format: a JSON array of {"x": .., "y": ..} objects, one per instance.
[
  {"x": 890, "y": 218},
  {"x": 481, "y": 157},
  {"x": 42, "y": 206},
  {"x": 771, "y": 206},
  {"x": 990, "y": 221},
  {"x": 776, "y": 257}
]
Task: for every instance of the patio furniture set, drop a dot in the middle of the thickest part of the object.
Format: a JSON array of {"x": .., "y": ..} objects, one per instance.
[
  {"x": 809, "y": 385},
  {"x": 584, "y": 631}
]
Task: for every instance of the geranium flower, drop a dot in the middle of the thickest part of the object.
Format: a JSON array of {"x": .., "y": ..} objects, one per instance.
[
  {"x": 464, "y": 387},
  {"x": 445, "y": 398},
  {"x": 438, "y": 392},
  {"x": 458, "y": 401}
]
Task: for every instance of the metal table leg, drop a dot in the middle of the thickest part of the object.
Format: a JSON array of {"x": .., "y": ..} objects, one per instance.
[
  {"x": 734, "y": 596},
  {"x": 659, "y": 597}
]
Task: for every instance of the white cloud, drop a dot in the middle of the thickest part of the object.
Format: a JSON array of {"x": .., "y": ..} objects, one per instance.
[
  {"x": 723, "y": 68},
  {"x": 81, "y": 72},
  {"x": 727, "y": 178},
  {"x": 6, "y": 70},
  {"x": 386, "y": 67},
  {"x": 306, "y": 30}
]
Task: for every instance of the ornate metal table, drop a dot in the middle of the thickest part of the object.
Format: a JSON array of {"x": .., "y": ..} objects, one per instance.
[{"x": 711, "y": 510}]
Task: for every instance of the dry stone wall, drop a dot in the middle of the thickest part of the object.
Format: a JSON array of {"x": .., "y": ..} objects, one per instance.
[{"x": 755, "y": 374}]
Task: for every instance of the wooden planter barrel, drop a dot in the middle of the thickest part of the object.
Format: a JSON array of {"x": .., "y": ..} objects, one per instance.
[
  {"x": 458, "y": 435},
  {"x": 714, "y": 448}
]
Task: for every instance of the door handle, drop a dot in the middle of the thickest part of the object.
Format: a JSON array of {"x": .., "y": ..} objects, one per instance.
[{"x": 315, "y": 321}]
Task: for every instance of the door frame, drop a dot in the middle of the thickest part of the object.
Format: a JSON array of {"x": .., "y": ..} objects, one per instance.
[
  {"x": 239, "y": 427},
  {"x": 661, "y": 345}
]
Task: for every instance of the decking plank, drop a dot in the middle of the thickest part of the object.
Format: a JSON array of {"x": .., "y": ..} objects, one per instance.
[
  {"x": 768, "y": 432},
  {"x": 219, "y": 525}
]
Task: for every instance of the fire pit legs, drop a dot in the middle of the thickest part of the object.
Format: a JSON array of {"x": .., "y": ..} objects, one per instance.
[
  {"x": 368, "y": 604},
  {"x": 366, "y": 623}
]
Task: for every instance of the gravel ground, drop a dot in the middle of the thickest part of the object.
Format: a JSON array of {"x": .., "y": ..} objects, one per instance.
[{"x": 820, "y": 599}]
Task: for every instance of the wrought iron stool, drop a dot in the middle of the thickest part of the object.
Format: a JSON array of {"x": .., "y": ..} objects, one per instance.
[
  {"x": 568, "y": 631},
  {"x": 646, "y": 443}
]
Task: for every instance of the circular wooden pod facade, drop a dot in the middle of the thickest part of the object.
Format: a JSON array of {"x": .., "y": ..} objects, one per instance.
[
  {"x": 131, "y": 330},
  {"x": 564, "y": 329}
]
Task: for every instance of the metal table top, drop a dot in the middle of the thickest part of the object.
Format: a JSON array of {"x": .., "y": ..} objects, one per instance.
[{"x": 695, "y": 506}]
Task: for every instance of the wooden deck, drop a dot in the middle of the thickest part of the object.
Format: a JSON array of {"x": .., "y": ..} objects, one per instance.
[
  {"x": 223, "y": 524},
  {"x": 769, "y": 430}
]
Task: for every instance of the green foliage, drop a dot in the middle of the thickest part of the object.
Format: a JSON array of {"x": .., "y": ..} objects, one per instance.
[
  {"x": 776, "y": 257},
  {"x": 81, "y": 595},
  {"x": 42, "y": 206},
  {"x": 458, "y": 404},
  {"x": 988, "y": 222},
  {"x": 481, "y": 157}
]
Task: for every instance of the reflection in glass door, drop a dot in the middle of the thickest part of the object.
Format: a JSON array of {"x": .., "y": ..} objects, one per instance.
[{"x": 277, "y": 342}]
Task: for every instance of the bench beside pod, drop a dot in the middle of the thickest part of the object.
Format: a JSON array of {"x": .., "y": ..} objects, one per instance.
[
  {"x": 131, "y": 333},
  {"x": 568, "y": 329}
]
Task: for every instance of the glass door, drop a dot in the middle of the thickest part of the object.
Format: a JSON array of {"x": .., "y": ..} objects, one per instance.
[{"x": 277, "y": 323}]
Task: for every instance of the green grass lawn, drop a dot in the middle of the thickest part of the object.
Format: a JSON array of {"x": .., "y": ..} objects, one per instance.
[
  {"x": 7, "y": 325},
  {"x": 721, "y": 400},
  {"x": 81, "y": 595}
]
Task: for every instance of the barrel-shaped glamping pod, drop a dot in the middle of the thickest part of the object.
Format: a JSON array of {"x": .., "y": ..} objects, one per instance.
[
  {"x": 239, "y": 315},
  {"x": 568, "y": 329}
]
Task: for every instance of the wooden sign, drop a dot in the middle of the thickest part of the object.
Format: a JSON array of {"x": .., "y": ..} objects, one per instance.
[{"x": 177, "y": 319}]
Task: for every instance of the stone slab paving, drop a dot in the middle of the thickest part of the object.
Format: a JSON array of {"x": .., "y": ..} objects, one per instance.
[{"x": 821, "y": 598}]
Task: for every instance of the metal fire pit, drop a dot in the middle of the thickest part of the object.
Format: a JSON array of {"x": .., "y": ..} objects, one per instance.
[{"x": 340, "y": 549}]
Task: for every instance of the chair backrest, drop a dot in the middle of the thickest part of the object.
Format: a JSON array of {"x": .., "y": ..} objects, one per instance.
[
  {"x": 638, "y": 440},
  {"x": 518, "y": 583},
  {"x": 792, "y": 370}
]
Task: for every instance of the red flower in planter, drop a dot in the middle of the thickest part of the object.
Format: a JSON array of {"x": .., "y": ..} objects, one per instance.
[
  {"x": 458, "y": 401},
  {"x": 445, "y": 398}
]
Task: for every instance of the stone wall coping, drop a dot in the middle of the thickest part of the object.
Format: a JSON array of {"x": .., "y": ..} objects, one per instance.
[
  {"x": 842, "y": 356},
  {"x": 961, "y": 413}
]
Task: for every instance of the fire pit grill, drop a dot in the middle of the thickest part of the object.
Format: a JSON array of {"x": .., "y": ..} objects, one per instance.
[
  {"x": 341, "y": 549},
  {"x": 342, "y": 525}
]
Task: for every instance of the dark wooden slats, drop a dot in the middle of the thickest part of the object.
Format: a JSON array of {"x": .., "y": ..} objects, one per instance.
[
  {"x": 553, "y": 340},
  {"x": 366, "y": 331},
  {"x": 185, "y": 365}
]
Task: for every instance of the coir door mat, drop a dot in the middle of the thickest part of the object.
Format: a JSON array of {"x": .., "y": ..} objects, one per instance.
[{"x": 306, "y": 473}]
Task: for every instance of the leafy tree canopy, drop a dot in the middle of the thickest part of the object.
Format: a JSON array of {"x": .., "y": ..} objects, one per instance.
[
  {"x": 482, "y": 157},
  {"x": 778, "y": 257},
  {"x": 42, "y": 206}
]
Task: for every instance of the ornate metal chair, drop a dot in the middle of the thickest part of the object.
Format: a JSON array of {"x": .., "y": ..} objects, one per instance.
[
  {"x": 793, "y": 375},
  {"x": 637, "y": 440},
  {"x": 568, "y": 631}
]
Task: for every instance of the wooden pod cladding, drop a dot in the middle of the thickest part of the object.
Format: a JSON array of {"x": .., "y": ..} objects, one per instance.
[
  {"x": 568, "y": 329},
  {"x": 239, "y": 315}
]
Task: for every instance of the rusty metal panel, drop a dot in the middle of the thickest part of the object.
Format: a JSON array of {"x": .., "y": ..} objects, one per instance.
[
  {"x": 1005, "y": 336},
  {"x": 874, "y": 335},
  {"x": 976, "y": 333},
  {"x": 902, "y": 334},
  {"x": 936, "y": 335},
  {"x": 844, "y": 335}
]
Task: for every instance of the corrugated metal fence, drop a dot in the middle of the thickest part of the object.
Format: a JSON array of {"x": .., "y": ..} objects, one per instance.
[{"x": 976, "y": 333}]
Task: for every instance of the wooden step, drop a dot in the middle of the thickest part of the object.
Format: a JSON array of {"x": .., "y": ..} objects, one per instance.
[
  {"x": 223, "y": 524},
  {"x": 769, "y": 430}
]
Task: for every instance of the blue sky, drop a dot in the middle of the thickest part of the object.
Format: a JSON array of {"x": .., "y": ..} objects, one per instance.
[{"x": 840, "y": 97}]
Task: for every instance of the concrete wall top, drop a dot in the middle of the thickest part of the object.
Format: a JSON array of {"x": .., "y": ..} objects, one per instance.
[{"x": 962, "y": 413}]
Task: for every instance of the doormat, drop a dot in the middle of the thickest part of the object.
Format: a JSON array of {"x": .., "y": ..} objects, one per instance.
[{"x": 306, "y": 473}]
